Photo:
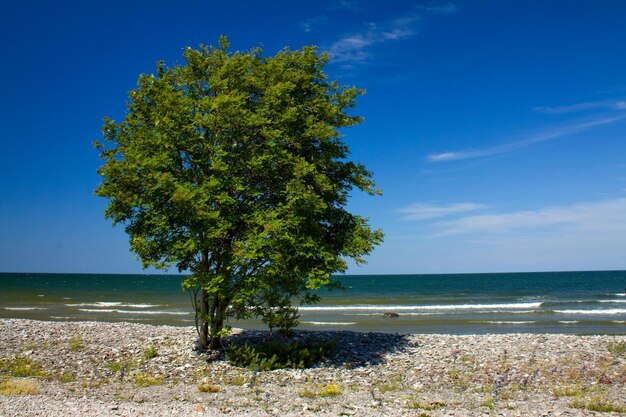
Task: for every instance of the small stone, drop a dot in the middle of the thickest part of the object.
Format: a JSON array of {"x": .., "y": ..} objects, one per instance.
[{"x": 200, "y": 408}]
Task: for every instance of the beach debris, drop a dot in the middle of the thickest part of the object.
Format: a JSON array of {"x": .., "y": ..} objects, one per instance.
[{"x": 390, "y": 315}]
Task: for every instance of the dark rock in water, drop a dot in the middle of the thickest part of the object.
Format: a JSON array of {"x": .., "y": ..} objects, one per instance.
[{"x": 390, "y": 315}]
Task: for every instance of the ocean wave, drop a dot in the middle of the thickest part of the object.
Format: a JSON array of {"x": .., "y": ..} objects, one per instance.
[
  {"x": 612, "y": 301},
  {"x": 115, "y": 310},
  {"x": 503, "y": 322},
  {"x": 420, "y": 307},
  {"x": 620, "y": 294},
  {"x": 443, "y": 313},
  {"x": 568, "y": 321},
  {"x": 619, "y": 321},
  {"x": 24, "y": 308},
  {"x": 605, "y": 311},
  {"x": 329, "y": 323},
  {"x": 111, "y": 304}
]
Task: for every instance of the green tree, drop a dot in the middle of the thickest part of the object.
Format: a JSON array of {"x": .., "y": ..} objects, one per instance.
[{"x": 232, "y": 168}]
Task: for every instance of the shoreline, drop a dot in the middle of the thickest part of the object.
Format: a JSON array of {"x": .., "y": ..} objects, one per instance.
[{"x": 104, "y": 369}]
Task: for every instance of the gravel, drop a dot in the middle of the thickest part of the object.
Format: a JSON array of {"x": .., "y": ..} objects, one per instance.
[{"x": 105, "y": 369}]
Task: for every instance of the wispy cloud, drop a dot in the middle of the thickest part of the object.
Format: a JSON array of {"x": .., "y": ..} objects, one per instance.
[
  {"x": 442, "y": 8},
  {"x": 356, "y": 47},
  {"x": 608, "y": 216},
  {"x": 420, "y": 211},
  {"x": 586, "y": 106},
  {"x": 531, "y": 140},
  {"x": 352, "y": 5},
  {"x": 309, "y": 25}
]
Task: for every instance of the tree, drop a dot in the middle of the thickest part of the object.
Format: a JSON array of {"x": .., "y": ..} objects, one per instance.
[{"x": 232, "y": 168}]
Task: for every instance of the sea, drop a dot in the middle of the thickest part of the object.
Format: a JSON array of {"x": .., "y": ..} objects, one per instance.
[{"x": 548, "y": 302}]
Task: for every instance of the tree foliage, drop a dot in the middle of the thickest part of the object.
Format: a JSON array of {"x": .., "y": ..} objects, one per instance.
[{"x": 232, "y": 167}]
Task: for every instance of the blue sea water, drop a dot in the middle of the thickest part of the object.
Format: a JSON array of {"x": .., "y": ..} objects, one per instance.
[{"x": 551, "y": 302}]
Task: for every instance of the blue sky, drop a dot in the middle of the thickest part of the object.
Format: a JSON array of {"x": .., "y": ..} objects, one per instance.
[{"x": 496, "y": 129}]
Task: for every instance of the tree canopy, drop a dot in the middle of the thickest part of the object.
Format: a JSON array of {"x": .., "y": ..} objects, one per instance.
[{"x": 232, "y": 167}]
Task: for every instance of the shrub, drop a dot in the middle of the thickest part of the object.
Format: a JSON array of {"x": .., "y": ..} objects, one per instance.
[{"x": 270, "y": 354}]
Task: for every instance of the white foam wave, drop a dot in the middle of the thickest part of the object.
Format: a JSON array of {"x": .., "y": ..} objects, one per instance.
[
  {"x": 115, "y": 310},
  {"x": 442, "y": 313},
  {"x": 420, "y": 307},
  {"x": 620, "y": 294},
  {"x": 329, "y": 323},
  {"x": 24, "y": 308},
  {"x": 505, "y": 322},
  {"x": 568, "y": 321},
  {"x": 612, "y": 301},
  {"x": 619, "y": 321},
  {"x": 605, "y": 311},
  {"x": 111, "y": 304}
]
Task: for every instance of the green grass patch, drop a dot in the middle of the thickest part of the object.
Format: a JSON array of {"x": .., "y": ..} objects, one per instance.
[
  {"x": 237, "y": 380},
  {"x": 617, "y": 348},
  {"x": 598, "y": 403},
  {"x": 570, "y": 391},
  {"x": 308, "y": 392},
  {"x": 331, "y": 390},
  {"x": 65, "y": 377},
  {"x": 488, "y": 402},
  {"x": 76, "y": 343},
  {"x": 390, "y": 387},
  {"x": 22, "y": 366},
  {"x": 415, "y": 403},
  {"x": 209, "y": 388},
  {"x": 19, "y": 387},
  {"x": 270, "y": 355},
  {"x": 117, "y": 366},
  {"x": 144, "y": 379},
  {"x": 150, "y": 352}
]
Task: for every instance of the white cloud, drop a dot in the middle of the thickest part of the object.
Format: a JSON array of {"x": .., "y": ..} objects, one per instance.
[
  {"x": 586, "y": 106},
  {"x": 352, "y": 48},
  {"x": 531, "y": 140},
  {"x": 584, "y": 236},
  {"x": 420, "y": 211},
  {"x": 357, "y": 47},
  {"x": 583, "y": 219}
]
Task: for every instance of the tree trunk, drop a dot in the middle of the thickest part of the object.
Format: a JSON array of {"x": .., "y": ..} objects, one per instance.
[
  {"x": 204, "y": 323},
  {"x": 217, "y": 324}
]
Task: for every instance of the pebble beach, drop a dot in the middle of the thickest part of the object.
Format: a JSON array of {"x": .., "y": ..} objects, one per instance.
[{"x": 124, "y": 369}]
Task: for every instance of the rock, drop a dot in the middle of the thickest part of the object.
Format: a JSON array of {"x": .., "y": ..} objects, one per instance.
[{"x": 390, "y": 315}]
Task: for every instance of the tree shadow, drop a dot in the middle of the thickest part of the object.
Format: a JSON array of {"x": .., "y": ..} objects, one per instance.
[{"x": 352, "y": 349}]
